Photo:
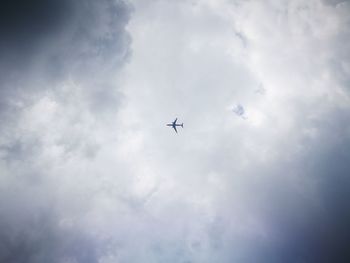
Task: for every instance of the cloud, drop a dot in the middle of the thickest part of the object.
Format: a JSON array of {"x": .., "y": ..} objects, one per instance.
[
  {"x": 50, "y": 42},
  {"x": 260, "y": 90},
  {"x": 25, "y": 26},
  {"x": 260, "y": 180},
  {"x": 32, "y": 231},
  {"x": 239, "y": 110},
  {"x": 59, "y": 62},
  {"x": 90, "y": 173}
]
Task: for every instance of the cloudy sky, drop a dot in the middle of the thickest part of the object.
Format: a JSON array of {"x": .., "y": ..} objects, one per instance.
[{"x": 90, "y": 173}]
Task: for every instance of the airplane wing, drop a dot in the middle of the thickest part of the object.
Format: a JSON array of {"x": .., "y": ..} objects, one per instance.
[
  {"x": 175, "y": 128},
  {"x": 174, "y": 122}
]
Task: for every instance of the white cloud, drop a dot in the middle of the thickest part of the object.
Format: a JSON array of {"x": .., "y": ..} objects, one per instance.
[{"x": 192, "y": 60}]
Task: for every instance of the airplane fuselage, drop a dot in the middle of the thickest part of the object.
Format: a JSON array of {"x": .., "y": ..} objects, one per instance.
[{"x": 172, "y": 125}]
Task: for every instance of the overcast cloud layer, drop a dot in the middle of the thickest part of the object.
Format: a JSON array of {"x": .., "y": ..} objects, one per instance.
[{"x": 90, "y": 173}]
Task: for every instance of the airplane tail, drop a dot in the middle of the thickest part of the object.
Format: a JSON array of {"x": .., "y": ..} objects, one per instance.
[{"x": 182, "y": 125}]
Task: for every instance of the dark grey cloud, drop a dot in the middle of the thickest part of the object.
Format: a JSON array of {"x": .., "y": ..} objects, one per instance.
[
  {"x": 307, "y": 228},
  {"x": 58, "y": 64},
  {"x": 46, "y": 45},
  {"x": 25, "y": 25},
  {"x": 301, "y": 201},
  {"x": 25, "y": 29},
  {"x": 45, "y": 42},
  {"x": 319, "y": 231}
]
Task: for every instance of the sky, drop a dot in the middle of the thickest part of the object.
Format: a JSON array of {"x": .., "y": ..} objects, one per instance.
[{"x": 89, "y": 171}]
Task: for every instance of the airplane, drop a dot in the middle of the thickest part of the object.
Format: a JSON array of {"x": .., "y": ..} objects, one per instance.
[{"x": 174, "y": 124}]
